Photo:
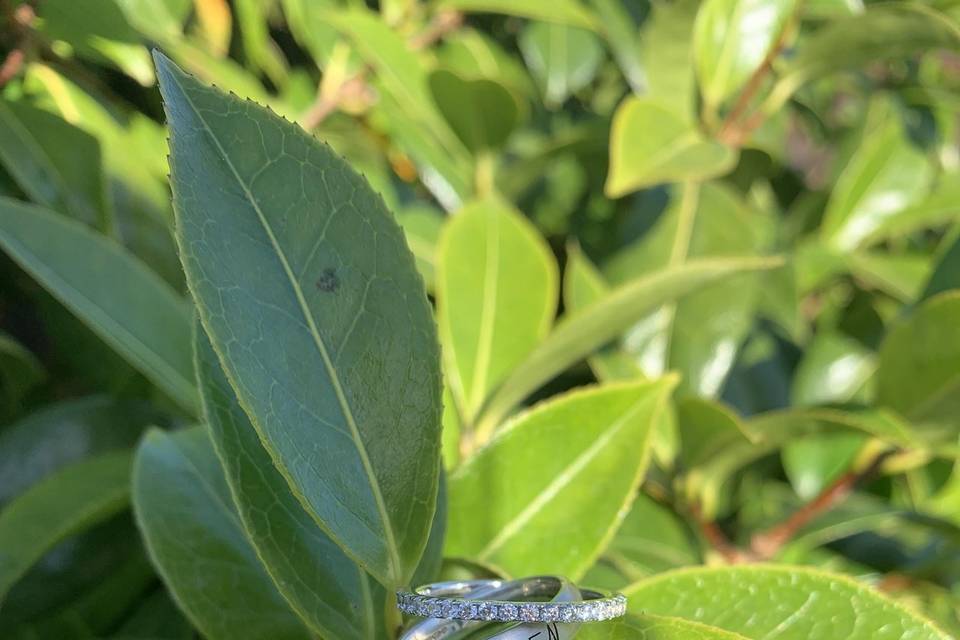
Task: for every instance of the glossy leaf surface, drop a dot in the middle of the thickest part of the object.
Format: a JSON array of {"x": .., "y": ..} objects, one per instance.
[
  {"x": 311, "y": 299},
  {"x": 792, "y": 602},
  {"x": 527, "y": 503},
  {"x": 139, "y": 315},
  {"x": 563, "y": 59},
  {"x": 198, "y": 545},
  {"x": 329, "y": 591}
]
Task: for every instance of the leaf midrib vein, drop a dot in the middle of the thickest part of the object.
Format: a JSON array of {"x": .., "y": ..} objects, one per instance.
[
  {"x": 318, "y": 341},
  {"x": 559, "y": 482}
]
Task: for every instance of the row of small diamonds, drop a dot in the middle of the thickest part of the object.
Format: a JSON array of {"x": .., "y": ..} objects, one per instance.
[{"x": 461, "y": 609}]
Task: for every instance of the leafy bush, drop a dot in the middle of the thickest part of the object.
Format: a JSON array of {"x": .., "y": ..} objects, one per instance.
[{"x": 660, "y": 296}]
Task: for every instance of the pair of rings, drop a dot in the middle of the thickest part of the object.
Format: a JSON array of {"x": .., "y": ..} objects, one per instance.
[{"x": 543, "y": 607}]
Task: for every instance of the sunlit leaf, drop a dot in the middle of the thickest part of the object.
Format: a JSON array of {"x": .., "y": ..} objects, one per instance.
[
  {"x": 496, "y": 296},
  {"x": 569, "y": 12},
  {"x": 546, "y": 515},
  {"x": 792, "y": 602},
  {"x": 563, "y": 59},
  {"x": 650, "y": 144}
]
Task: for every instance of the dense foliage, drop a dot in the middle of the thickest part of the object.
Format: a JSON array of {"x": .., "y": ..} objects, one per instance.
[{"x": 662, "y": 296}]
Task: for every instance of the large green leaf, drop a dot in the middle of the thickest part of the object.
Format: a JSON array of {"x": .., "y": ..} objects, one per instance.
[
  {"x": 648, "y": 627},
  {"x": 666, "y": 42},
  {"x": 563, "y": 59},
  {"x": 496, "y": 298},
  {"x": 56, "y": 164},
  {"x": 699, "y": 335},
  {"x": 732, "y": 38},
  {"x": 529, "y": 502},
  {"x": 946, "y": 273},
  {"x": 788, "y": 602},
  {"x": 312, "y": 301},
  {"x": 919, "y": 372},
  {"x": 579, "y": 334},
  {"x": 334, "y": 596},
  {"x": 65, "y": 503},
  {"x": 651, "y": 143},
  {"x": 63, "y": 433},
  {"x": 884, "y": 176},
  {"x": 569, "y": 12},
  {"x": 112, "y": 292},
  {"x": 197, "y": 543}
]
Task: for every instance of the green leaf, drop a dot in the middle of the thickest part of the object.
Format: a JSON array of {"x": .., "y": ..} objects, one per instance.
[
  {"x": 112, "y": 292},
  {"x": 650, "y": 144},
  {"x": 63, "y": 433},
  {"x": 732, "y": 38},
  {"x": 621, "y": 33},
  {"x": 67, "y": 502},
  {"x": 473, "y": 53},
  {"x": 583, "y": 284},
  {"x": 547, "y": 514},
  {"x": 562, "y": 58},
  {"x": 306, "y": 21},
  {"x": 651, "y": 539},
  {"x": 496, "y": 298},
  {"x": 946, "y": 273},
  {"x": 666, "y": 42},
  {"x": 834, "y": 368},
  {"x": 155, "y": 617},
  {"x": 20, "y": 372},
  {"x": 884, "y": 176},
  {"x": 648, "y": 627},
  {"x": 579, "y": 334},
  {"x": 55, "y": 163},
  {"x": 481, "y": 112},
  {"x": 919, "y": 372},
  {"x": 97, "y": 30},
  {"x": 940, "y": 207},
  {"x": 882, "y": 33},
  {"x": 564, "y": 12},
  {"x": 812, "y": 463},
  {"x": 790, "y": 602},
  {"x": 699, "y": 335},
  {"x": 412, "y": 118},
  {"x": 334, "y": 596},
  {"x": 260, "y": 51},
  {"x": 311, "y": 298},
  {"x": 421, "y": 226},
  {"x": 196, "y": 541}
]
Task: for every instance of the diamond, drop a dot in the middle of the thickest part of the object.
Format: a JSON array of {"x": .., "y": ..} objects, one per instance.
[
  {"x": 488, "y": 611},
  {"x": 587, "y": 612},
  {"x": 567, "y": 613},
  {"x": 508, "y": 613},
  {"x": 529, "y": 613},
  {"x": 551, "y": 613}
]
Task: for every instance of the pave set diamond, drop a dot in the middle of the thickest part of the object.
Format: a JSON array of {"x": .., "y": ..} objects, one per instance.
[{"x": 494, "y": 611}]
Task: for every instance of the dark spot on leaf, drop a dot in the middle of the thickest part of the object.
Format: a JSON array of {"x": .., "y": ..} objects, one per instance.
[{"x": 328, "y": 282}]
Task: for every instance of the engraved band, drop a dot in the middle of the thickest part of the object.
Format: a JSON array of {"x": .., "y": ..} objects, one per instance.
[{"x": 426, "y": 602}]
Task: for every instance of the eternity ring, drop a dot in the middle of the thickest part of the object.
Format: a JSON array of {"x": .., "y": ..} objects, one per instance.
[
  {"x": 596, "y": 606},
  {"x": 547, "y": 587}
]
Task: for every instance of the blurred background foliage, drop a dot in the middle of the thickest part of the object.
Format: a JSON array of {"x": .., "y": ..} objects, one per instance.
[{"x": 818, "y": 407}]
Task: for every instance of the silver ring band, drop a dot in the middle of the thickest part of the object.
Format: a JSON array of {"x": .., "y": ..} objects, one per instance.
[
  {"x": 448, "y": 629},
  {"x": 596, "y": 606}
]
